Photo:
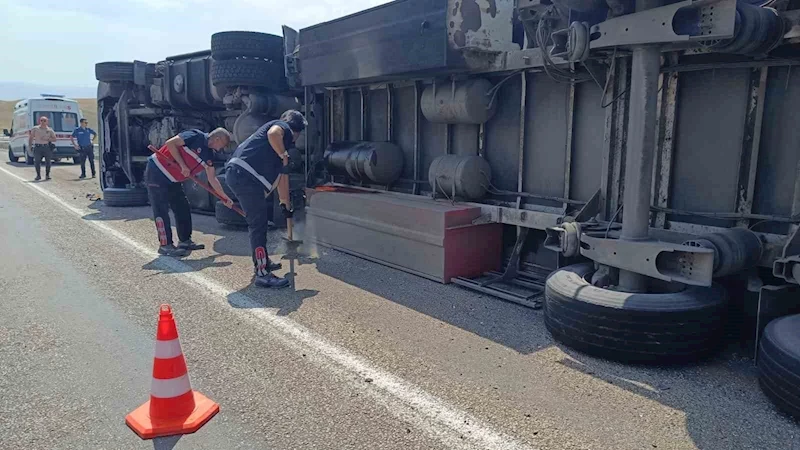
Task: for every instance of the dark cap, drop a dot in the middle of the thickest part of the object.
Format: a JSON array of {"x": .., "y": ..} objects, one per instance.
[{"x": 295, "y": 120}]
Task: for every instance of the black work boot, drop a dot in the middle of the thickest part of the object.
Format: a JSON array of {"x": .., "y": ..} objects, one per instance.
[
  {"x": 171, "y": 250},
  {"x": 190, "y": 245},
  {"x": 271, "y": 281}
]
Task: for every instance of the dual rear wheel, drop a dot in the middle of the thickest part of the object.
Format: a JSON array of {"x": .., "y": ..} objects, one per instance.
[{"x": 670, "y": 324}]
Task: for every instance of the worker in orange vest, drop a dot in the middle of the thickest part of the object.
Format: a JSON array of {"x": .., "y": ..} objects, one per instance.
[{"x": 182, "y": 156}]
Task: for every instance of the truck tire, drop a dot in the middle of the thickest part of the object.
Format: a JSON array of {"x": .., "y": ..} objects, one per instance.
[
  {"x": 223, "y": 181},
  {"x": 113, "y": 71},
  {"x": 227, "y": 216},
  {"x": 11, "y": 156},
  {"x": 658, "y": 328},
  {"x": 125, "y": 197},
  {"x": 247, "y": 72},
  {"x": 235, "y": 44},
  {"x": 199, "y": 199},
  {"x": 119, "y": 71},
  {"x": 779, "y": 364}
]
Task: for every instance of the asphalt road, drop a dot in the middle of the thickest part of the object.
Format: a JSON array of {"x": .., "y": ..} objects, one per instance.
[{"x": 354, "y": 355}]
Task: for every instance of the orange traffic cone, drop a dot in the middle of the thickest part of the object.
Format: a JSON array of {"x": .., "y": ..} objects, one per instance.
[{"x": 173, "y": 408}]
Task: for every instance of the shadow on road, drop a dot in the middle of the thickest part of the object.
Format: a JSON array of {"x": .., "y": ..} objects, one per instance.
[
  {"x": 166, "y": 443},
  {"x": 126, "y": 214},
  {"x": 235, "y": 242},
  {"x": 159, "y": 266},
  {"x": 200, "y": 222},
  {"x": 22, "y": 163},
  {"x": 508, "y": 324},
  {"x": 720, "y": 398},
  {"x": 285, "y": 300}
]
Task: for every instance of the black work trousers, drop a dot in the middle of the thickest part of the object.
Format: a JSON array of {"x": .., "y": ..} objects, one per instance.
[
  {"x": 42, "y": 151},
  {"x": 87, "y": 153},
  {"x": 165, "y": 195},
  {"x": 250, "y": 193}
]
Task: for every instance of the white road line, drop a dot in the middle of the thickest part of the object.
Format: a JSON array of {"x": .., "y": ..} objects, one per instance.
[{"x": 454, "y": 427}]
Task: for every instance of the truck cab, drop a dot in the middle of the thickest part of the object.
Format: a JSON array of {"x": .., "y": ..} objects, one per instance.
[{"x": 238, "y": 84}]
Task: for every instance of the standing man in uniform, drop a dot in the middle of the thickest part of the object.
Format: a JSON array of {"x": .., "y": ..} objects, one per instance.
[
  {"x": 84, "y": 146},
  {"x": 184, "y": 155},
  {"x": 40, "y": 141},
  {"x": 255, "y": 165}
]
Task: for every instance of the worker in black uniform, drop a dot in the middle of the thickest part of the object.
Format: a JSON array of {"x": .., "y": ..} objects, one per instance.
[{"x": 252, "y": 170}]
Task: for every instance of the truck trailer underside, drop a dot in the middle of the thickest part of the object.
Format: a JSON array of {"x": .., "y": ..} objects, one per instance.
[{"x": 631, "y": 167}]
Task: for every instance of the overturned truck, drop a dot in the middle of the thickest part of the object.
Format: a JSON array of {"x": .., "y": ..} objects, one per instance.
[
  {"x": 631, "y": 167},
  {"x": 141, "y": 104}
]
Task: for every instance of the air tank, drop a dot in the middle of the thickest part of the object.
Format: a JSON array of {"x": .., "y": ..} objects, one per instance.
[
  {"x": 465, "y": 102},
  {"x": 371, "y": 162},
  {"x": 464, "y": 177}
]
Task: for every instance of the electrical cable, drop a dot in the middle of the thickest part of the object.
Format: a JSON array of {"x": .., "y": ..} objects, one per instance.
[
  {"x": 728, "y": 216},
  {"x": 593, "y": 77},
  {"x": 611, "y": 222},
  {"x": 439, "y": 185},
  {"x": 609, "y": 76},
  {"x": 496, "y": 88},
  {"x": 542, "y": 38}
]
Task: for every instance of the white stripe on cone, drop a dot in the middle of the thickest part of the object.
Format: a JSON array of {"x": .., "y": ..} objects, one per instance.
[
  {"x": 168, "y": 349},
  {"x": 170, "y": 388}
]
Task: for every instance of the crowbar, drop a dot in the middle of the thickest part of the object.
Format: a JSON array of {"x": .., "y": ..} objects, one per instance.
[{"x": 210, "y": 190}]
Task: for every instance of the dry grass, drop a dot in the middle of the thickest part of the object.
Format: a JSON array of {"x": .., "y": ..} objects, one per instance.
[{"x": 88, "y": 106}]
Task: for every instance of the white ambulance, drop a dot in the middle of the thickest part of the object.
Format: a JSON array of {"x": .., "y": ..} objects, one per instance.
[{"x": 63, "y": 114}]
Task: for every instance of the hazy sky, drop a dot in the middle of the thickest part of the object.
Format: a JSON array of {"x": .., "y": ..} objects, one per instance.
[{"x": 57, "y": 42}]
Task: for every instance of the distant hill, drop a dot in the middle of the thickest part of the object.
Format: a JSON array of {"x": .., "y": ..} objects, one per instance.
[
  {"x": 10, "y": 90},
  {"x": 88, "y": 106}
]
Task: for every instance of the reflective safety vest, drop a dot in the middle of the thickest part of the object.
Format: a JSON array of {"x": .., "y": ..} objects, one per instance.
[{"x": 171, "y": 169}]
